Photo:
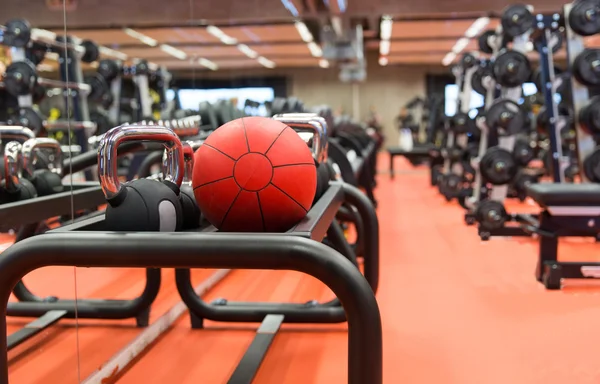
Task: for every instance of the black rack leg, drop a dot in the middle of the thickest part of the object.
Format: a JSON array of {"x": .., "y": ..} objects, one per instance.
[
  {"x": 197, "y": 321},
  {"x": 143, "y": 318},
  {"x": 255, "y": 354}
]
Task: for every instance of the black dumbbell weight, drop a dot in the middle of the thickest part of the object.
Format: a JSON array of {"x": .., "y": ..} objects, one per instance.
[
  {"x": 47, "y": 181},
  {"x": 586, "y": 67},
  {"x": 491, "y": 214},
  {"x": 109, "y": 69},
  {"x": 13, "y": 187},
  {"x": 523, "y": 153},
  {"x": 20, "y": 77},
  {"x": 506, "y": 117},
  {"x": 511, "y": 68},
  {"x": 17, "y": 33},
  {"x": 477, "y": 80},
  {"x": 498, "y": 166},
  {"x": 516, "y": 20},
  {"x": 142, "y": 204},
  {"x": 484, "y": 41},
  {"x": 30, "y": 118},
  {"x": 36, "y": 53},
  {"x": 584, "y": 17},
  {"x": 91, "y": 53},
  {"x": 589, "y": 116},
  {"x": 462, "y": 123}
]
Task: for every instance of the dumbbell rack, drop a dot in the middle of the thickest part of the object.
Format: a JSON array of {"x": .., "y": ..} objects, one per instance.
[
  {"x": 499, "y": 193},
  {"x": 298, "y": 249}
]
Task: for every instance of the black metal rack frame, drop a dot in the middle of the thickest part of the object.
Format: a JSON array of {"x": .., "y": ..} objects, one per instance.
[{"x": 296, "y": 250}]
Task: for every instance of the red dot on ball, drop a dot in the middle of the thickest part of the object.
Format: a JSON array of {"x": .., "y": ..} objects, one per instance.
[{"x": 254, "y": 174}]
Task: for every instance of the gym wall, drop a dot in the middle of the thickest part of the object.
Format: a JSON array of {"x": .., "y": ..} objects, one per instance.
[{"x": 386, "y": 88}]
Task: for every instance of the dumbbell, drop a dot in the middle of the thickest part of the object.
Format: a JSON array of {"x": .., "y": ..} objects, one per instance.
[
  {"x": 13, "y": 187},
  {"x": 491, "y": 214},
  {"x": 46, "y": 181},
  {"x": 142, "y": 204},
  {"x": 18, "y": 33},
  {"x": 511, "y": 68}
]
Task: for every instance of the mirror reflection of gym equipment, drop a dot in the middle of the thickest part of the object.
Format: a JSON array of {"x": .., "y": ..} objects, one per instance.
[{"x": 299, "y": 191}]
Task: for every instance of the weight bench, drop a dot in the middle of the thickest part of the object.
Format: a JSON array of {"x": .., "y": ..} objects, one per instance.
[
  {"x": 568, "y": 210},
  {"x": 417, "y": 155}
]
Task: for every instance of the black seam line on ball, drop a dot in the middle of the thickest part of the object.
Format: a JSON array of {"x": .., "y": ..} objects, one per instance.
[
  {"x": 292, "y": 165},
  {"x": 212, "y": 182},
  {"x": 245, "y": 134},
  {"x": 218, "y": 150},
  {"x": 273, "y": 143},
  {"x": 230, "y": 206},
  {"x": 262, "y": 217},
  {"x": 266, "y": 185},
  {"x": 294, "y": 200}
]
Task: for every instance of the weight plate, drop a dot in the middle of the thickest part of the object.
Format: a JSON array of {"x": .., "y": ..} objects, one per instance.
[
  {"x": 517, "y": 20},
  {"x": 506, "y": 117},
  {"x": 92, "y": 52},
  {"x": 31, "y": 118},
  {"x": 477, "y": 81},
  {"x": 491, "y": 214},
  {"x": 102, "y": 121},
  {"x": 19, "y": 78},
  {"x": 109, "y": 69},
  {"x": 468, "y": 61},
  {"x": 483, "y": 40},
  {"x": 584, "y": 17},
  {"x": 522, "y": 152},
  {"x": 591, "y": 166},
  {"x": 99, "y": 87},
  {"x": 498, "y": 166},
  {"x": 17, "y": 33},
  {"x": 523, "y": 179},
  {"x": 462, "y": 123},
  {"x": 36, "y": 53},
  {"x": 586, "y": 67},
  {"x": 589, "y": 116},
  {"x": 511, "y": 68},
  {"x": 38, "y": 94},
  {"x": 455, "y": 153},
  {"x": 451, "y": 185}
]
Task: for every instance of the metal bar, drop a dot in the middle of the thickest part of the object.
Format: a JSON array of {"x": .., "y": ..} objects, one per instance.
[
  {"x": 214, "y": 250},
  {"x": 82, "y": 196},
  {"x": 82, "y": 87},
  {"x": 33, "y": 328},
  {"x": 255, "y": 354}
]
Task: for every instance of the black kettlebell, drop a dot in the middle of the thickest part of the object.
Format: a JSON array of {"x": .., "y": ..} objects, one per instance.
[
  {"x": 318, "y": 125},
  {"x": 13, "y": 187},
  {"x": 48, "y": 179},
  {"x": 142, "y": 204},
  {"x": 191, "y": 211}
]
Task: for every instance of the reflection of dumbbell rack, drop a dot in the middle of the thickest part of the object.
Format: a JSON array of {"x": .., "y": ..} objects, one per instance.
[
  {"x": 114, "y": 72},
  {"x": 504, "y": 118},
  {"x": 453, "y": 172},
  {"x": 483, "y": 83},
  {"x": 21, "y": 77}
]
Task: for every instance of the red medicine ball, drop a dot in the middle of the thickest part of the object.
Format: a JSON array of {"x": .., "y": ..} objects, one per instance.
[{"x": 254, "y": 174}]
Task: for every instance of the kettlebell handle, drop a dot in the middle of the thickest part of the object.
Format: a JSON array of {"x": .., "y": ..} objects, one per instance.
[
  {"x": 311, "y": 122},
  {"x": 15, "y": 132},
  {"x": 31, "y": 145},
  {"x": 173, "y": 167},
  {"x": 12, "y": 164},
  {"x": 188, "y": 159}
]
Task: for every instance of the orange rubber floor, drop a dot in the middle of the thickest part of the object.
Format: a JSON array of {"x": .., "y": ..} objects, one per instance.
[{"x": 454, "y": 310}]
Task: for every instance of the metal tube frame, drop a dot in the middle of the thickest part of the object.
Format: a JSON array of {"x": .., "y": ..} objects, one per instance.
[{"x": 288, "y": 251}]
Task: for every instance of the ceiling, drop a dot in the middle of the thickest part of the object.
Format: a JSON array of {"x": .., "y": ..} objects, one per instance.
[{"x": 262, "y": 33}]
